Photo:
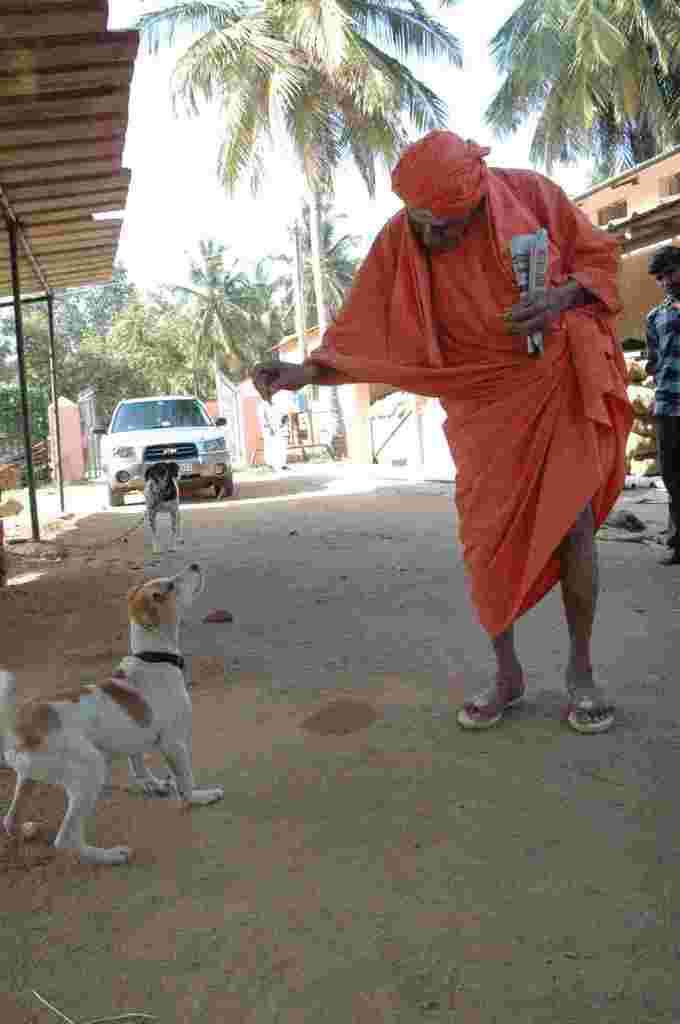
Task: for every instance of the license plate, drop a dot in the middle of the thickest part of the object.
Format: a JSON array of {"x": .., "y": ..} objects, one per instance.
[{"x": 186, "y": 468}]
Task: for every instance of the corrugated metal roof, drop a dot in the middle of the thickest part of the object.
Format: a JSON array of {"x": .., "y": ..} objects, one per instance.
[{"x": 64, "y": 95}]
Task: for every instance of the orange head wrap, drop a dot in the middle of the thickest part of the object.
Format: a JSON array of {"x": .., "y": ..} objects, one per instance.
[{"x": 441, "y": 173}]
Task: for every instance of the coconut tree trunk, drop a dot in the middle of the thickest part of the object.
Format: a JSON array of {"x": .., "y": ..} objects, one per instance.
[
  {"x": 339, "y": 441},
  {"x": 299, "y": 288}
]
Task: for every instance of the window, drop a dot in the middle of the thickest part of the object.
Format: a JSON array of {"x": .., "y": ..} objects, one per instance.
[
  {"x": 178, "y": 412},
  {"x": 669, "y": 186},
  {"x": 617, "y": 211}
]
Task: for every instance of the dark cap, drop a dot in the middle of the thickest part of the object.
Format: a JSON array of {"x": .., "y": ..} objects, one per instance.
[{"x": 664, "y": 259}]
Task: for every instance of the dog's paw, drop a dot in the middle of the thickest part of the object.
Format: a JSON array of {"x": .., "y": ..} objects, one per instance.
[
  {"x": 99, "y": 855},
  {"x": 152, "y": 786},
  {"x": 206, "y": 796}
]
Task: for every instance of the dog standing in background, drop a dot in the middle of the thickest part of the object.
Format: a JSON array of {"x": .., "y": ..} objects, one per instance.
[{"x": 162, "y": 495}]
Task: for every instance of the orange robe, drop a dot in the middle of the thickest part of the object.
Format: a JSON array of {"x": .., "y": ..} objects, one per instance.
[{"x": 534, "y": 440}]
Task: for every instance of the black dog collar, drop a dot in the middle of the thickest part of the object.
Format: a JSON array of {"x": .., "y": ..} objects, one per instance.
[{"x": 161, "y": 658}]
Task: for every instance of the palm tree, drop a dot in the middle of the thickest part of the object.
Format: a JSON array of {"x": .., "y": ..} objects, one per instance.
[
  {"x": 317, "y": 83},
  {"x": 328, "y": 271},
  {"x": 603, "y": 79},
  {"x": 338, "y": 260},
  {"x": 226, "y": 329}
]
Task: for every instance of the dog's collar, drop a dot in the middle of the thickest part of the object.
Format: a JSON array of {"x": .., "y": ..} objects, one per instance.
[{"x": 161, "y": 658}]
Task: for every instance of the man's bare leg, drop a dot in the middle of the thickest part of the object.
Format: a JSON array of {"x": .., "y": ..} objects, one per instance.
[
  {"x": 487, "y": 709},
  {"x": 509, "y": 676},
  {"x": 580, "y": 589}
]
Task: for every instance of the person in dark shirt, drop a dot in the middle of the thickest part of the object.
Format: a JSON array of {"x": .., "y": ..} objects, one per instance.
[{"x": 663, "y": 347}]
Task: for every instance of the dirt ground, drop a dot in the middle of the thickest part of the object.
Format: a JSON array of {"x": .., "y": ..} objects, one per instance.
[{"x": 370, "y": 862}]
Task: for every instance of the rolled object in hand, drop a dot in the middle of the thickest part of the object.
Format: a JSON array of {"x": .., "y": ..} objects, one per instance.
[{"x": 530, "y": 265}]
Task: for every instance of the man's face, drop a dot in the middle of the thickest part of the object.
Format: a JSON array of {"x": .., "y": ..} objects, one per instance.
[
  {"x": 669, "y": 280},
  {"x": 439, "y": 233}
]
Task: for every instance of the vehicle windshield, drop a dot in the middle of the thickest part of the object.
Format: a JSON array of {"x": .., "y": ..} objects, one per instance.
[{"x": 173, "y": 412}]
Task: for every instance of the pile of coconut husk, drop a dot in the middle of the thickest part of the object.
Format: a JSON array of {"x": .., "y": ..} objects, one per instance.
[{"x": 641, "y": 454}]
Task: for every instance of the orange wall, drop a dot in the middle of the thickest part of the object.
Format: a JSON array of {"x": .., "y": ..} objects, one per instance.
[
  {"x": 72, "y": 456},
  {"x": 252, "y": 432}
]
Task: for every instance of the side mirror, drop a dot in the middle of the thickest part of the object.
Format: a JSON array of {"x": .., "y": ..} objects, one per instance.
[{"x": 220, "y": 422}]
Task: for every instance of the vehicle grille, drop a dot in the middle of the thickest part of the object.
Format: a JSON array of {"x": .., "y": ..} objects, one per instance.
[{"x": 170, "y": 453}]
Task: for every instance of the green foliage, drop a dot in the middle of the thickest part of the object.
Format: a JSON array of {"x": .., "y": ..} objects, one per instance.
[
  {"x": 82, "y": 311},
  {"x": 603, "y": 77},
  {"x": 339, "y": 262},
  {"x": 149, "y": 344},
  {"x": 318, "y": 82},
  {"x": 11, "y": 419}
]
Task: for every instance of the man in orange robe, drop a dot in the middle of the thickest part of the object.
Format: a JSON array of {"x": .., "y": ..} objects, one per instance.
[{"x": 538, "y": 442}]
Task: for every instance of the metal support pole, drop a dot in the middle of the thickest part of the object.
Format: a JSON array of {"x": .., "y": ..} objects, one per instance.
[
  {"x": 19, "y": 328},
  {"x": 55, "y": 400},
  {"x": 399, "y": 425}
]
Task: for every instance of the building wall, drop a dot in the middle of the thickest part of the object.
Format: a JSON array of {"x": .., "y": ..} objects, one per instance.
[
  {"x": 640, "y": 293},
  {"x": 641, "y": 190}
]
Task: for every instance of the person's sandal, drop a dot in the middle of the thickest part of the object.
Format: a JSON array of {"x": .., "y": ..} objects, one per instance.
[
  {"x": 589, "y": 710},
  {"x": 487, "y": 709}
]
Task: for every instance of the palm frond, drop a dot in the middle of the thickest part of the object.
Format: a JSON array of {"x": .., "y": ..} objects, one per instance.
[
  {"x": 405, "y": 28},
  {"x": 159, "y": 28},
  {"x": 320, "y": 28}
]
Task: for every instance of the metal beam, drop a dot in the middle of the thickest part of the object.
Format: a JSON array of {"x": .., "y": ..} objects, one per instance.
[
  {"x": 55, "y": 400},
  {"x": 12, "y": 220},
  {"x": 24, "y": 302},
  {"x": 25, "y": 412}
]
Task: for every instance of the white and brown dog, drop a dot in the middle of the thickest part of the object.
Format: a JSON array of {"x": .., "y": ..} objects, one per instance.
[
  {"x": 162, "y": 495},
  {"x": 70, "y": 740}
]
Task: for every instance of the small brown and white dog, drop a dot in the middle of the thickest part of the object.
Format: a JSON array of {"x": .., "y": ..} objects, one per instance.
[{"x": 70, "y": 740}]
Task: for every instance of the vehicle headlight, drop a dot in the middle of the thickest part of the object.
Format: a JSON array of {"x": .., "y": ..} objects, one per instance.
[
  {"x": 217, "y": 445},
  {"x": 124, "y": 452}
]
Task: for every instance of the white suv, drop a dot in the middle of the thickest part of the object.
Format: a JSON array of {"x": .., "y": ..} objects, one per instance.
[{"x": 165, "y": 428}]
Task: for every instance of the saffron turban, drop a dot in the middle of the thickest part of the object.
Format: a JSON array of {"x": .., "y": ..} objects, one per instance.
[{"x": 443, "y": 174}]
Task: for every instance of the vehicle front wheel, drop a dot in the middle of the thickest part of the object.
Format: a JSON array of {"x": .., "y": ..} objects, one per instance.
[{"x": 116, "y": 499}]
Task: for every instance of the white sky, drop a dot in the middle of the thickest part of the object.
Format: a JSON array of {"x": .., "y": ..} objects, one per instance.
[{"x": 175, "y": 199}]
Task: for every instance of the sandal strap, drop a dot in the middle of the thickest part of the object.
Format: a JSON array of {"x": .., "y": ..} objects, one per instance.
[
  {"x": 589, "y": 700},
  {"x": 490, "y": 703}
]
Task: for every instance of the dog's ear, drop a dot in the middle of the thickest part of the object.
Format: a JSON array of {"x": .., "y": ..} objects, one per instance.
[
  {"x": 173, "y": 470},
  {"x": 142, "y": 609},
  {"x": 149, "y": 473}
]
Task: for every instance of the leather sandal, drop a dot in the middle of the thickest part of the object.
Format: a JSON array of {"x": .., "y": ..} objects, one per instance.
[
  {"x": 487, "y": 709},
  {"x": 589, "y": 710}
]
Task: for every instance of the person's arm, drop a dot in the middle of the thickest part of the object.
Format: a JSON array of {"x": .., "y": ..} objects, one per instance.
[
  {"x": 323, "y": 376},
  {"x": 652, "y": 347}
]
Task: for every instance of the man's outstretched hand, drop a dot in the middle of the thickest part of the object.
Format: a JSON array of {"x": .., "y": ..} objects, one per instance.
[{"x": 268, "y": 378}]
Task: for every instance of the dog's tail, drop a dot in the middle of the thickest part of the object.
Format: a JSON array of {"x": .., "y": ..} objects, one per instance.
[{"x": 8, "y": 702}]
